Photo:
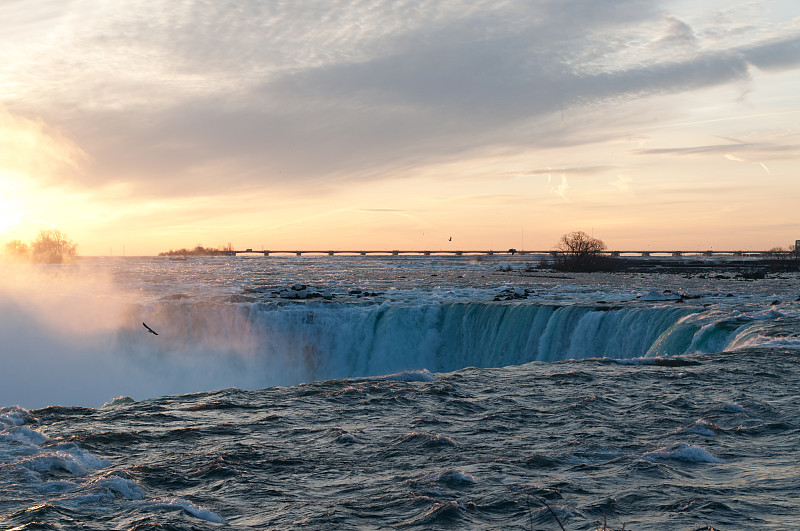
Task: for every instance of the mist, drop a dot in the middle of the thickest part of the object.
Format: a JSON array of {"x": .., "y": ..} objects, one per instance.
[{"x": 70, "y": 337}]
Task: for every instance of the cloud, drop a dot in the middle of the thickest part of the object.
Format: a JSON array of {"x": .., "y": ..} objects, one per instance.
[
  {"x": 727, "y": 150},
  {"x": 193, "y": 98},
  {"x": 777, "y": 54},
  {"x": 622, "y": 183},
  {"x": 574, "y": 170},
  {"x": 561, "y": 189},
  {"x": 678, "y": 34},
  {"x": 356, "y": 118},
  {"x": 734, "y": 158},
  {"x": 31, "y": 148}
]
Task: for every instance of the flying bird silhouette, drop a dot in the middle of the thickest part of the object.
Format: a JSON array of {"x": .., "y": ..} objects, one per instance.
[{"x": 150, "y": 329}]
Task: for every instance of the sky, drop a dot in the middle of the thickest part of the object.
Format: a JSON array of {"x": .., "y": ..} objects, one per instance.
[{"x": 140, "y": 126}]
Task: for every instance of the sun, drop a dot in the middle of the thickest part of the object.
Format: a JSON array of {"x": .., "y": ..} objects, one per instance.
[{"x": 33, "y": 159}]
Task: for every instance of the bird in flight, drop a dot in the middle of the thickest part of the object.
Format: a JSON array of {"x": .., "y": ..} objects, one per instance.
[
  {"x": 451, "y": 239},
  {"x": 150, "y": 329}
]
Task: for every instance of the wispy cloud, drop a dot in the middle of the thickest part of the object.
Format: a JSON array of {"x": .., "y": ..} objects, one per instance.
[
  {"x": 561, "y": 189},
  {"x": 574, "y": 171},
  {"x": 622, "y": 183},
  {"x": 733, "y": 158},
  {"x": 726, "y": 150},
  {"x": 187, "y": 98}
]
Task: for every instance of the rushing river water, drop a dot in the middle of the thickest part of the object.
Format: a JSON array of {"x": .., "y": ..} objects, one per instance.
[{"x": 367, "y": 393}]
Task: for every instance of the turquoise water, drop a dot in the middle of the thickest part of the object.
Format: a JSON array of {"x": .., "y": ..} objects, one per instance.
[{"x": 429, "y": 393}]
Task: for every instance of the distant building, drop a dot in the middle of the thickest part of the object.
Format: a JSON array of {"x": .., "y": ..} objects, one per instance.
[{"x": 797, "y": 245}]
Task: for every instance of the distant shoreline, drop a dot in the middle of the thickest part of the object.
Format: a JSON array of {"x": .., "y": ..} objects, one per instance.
[{"x": 750, "y": 264}]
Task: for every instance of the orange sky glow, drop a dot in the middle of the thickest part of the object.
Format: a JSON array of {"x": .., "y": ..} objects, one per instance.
[{"x": 652, "y": 124}]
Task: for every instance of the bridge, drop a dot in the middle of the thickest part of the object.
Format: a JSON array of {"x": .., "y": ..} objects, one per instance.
[{"x": 484, "y": 252}]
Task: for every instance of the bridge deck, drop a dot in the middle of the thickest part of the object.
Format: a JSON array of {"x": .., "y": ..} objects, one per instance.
[{"x": 397, "y": 252}]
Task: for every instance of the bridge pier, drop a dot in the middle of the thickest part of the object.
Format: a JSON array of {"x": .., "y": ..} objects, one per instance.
[
  {"x": 330, "y": 253},
  {"x": 298, "y": 253},
  {"x": 645, "y": 254},
  {"x": 677, "y": 253}
]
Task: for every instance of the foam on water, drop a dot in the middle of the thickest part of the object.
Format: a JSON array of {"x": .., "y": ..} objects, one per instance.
[
  {"x": 27, "y": 465},
  {"x": 126, "y": 488},
  {"x": 13, "y": 416},
  {"x": 120, "y": 401},
  {"x": 654, "y": 295},
  {"x": 67, "y": 457},
  {"x": 408, "y": 376},
  {"x": 56, "y": 487},
  {"x": 23, "y": 435},
  {"x": 177, "y": 504},
  {"x": 683, "y": 452},
  {"x": 346, "y": 438},
  {"x": 700, "y": 427}
]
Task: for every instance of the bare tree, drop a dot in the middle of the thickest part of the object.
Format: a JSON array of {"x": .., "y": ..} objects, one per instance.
[
  {"x": 577, "y": 251},
  {"x": 53, "y": 247},
  {"x": 785, "y": 259},
  {"x": 17, "y": 249}
]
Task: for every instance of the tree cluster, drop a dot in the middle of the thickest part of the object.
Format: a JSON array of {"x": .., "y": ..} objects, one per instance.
[
  {"x": 577, "y": 251},
  {"x": 199, "y": 250},
  {"x": 51, "y": 246},
  {"x": 787, "y": 259}
]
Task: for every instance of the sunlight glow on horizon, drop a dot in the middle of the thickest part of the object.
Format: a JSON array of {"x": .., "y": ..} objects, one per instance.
[{"x": 665, "y": 125}]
